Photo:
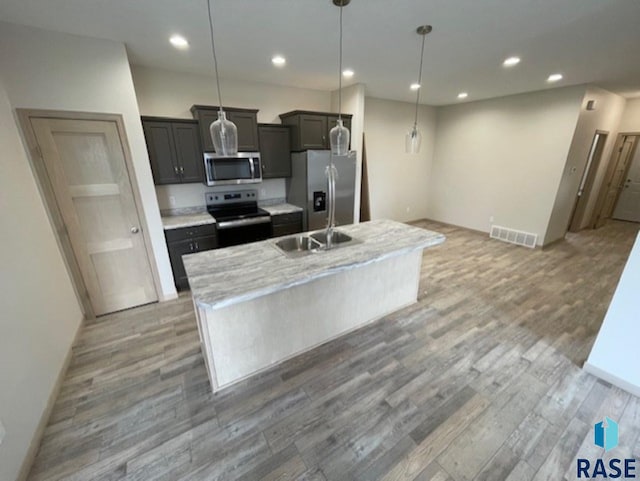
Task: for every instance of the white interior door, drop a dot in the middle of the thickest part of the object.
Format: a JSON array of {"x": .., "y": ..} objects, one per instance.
[
  {"x": 85, "y": 163},
  {"x": 628, "y": 206}
]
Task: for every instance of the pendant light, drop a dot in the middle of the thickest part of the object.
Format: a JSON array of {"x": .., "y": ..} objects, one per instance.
[
  {"x": 339, "y": 135},
  {"x": 224, "y": 133},
  {"x": 414, "y": 137}
]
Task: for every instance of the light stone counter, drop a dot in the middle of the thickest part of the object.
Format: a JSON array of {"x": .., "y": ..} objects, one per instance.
[
  {"x": 256, "y": 307},
  {"x": 227, "y": 276},
  {"x": 190, "y": 217},
  {"x": 186, "y": 220},
  {"x": 282, "y": 208}
]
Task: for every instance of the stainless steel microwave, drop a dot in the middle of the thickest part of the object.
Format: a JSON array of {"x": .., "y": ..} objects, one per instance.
[{"x": 241, "y": 168}]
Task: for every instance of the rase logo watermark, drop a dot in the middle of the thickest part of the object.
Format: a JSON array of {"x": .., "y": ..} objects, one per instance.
[{"x": 605, "y": 435}]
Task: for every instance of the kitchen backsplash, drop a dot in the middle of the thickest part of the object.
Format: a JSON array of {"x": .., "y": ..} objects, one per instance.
[{"x": 180, "y": 196}]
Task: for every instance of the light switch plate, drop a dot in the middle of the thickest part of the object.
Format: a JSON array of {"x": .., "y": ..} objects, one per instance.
[{"x": 2, "y": 432}]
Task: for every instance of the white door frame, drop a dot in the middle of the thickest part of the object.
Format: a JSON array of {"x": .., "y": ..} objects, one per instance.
[{"x": 51, "y": 206}]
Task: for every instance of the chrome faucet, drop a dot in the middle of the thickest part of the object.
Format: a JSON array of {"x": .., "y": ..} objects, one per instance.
[{"x": 332, "y": 173}]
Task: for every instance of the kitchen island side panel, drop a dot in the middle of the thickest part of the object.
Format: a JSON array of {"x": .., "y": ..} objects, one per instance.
[{"x": 248, "y": 337}]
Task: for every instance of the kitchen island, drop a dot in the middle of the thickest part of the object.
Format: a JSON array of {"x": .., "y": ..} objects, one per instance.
[{"x": 255, "y": 306}]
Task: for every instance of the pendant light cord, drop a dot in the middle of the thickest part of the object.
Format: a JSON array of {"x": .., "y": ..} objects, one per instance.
[
  {"x": 215, "y": 59},
  {"x": 415, "y": 120},
  {"x": 340, "y": 70}
]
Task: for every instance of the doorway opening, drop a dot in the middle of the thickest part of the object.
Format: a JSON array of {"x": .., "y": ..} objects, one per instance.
[
  {"x": 579, "y": 218},
  {"x": 615, "y": 178},
  {"x": 628, "y": 204}
]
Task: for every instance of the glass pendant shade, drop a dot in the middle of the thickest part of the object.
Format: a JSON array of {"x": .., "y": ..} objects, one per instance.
[
  {"x": 339, "y": 139},
  {"x": 413, "y": 140},
  {"x": 224, "y": 135}
]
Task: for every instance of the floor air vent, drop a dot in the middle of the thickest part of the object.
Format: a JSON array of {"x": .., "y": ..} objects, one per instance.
[{"x": 513, "y": 236}]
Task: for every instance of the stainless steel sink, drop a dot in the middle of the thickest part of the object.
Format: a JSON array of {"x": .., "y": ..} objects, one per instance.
[
  {"x": 298, "y": 245},
  {"x": 338, "y": 237},
  {"x": 305, "y": 244}
]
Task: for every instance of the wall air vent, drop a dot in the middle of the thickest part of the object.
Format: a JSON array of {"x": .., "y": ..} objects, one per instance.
[{"x": 514, "y": 236}]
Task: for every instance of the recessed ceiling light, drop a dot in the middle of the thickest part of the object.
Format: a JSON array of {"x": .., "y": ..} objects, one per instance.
[
  {"x": 178, "y": 41},
  {"x": 511, "y": 61},
  {"x": 348, "y": 73},
  {"x": 554, "y": 77},
  {"x": 414, "y": 86},
  {"x": 278, "y": 61},
  {"x": 463, "y": 95}
]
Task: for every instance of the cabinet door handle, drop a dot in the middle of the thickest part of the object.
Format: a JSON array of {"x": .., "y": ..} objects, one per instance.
[
  {"x": 181, "y": 170},
  {"x": 176, "y": 170},
  {"x": 197, "y": 246},
  {"x": 191, "y": 246}
]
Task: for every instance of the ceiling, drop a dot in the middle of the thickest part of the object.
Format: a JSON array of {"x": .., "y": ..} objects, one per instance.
[{"x": 588, "y": 41}]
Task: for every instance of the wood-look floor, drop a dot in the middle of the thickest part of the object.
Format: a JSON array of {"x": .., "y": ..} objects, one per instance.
[{"x": 480, "y": 380}]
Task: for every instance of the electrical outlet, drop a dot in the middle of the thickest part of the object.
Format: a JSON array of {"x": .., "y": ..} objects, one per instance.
[
  {"x": 172, "y": 201},
  {"x": 408, "y": 209},
  {"x": 263, "y": 193},
  {"x": 491, "y": 219},
  {"x": 3, "y": 432}
]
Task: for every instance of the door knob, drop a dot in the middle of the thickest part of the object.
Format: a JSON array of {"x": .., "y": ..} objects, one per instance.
[{"x": 135, "y": 230}]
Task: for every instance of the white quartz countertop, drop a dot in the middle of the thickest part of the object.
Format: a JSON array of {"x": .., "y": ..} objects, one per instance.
[
  {"x": 279, "y": 209},
  {"x": 177, "y": 221},
  {"x": 222, "y": 277},
  {"x": 187, "y": 220}
]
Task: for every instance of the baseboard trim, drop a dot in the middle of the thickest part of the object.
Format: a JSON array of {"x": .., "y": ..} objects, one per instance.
[
  {"x": 553, "y": 242},
  {"x": 611, "y": 378},
  {"x": 447, "y": 224},
  {"x": 46, "y": 414},
  {"x": 168, "y": 297}
]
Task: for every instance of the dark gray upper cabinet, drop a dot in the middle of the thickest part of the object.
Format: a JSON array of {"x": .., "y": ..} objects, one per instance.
[
  {"x": 246, "y": 121},
  {"x": 310, "y": 130},
  {"x": 313, "y": 132},
  {"x": 174, "y": 150},
  {"x": 332, "y": 121},
  {"x": 188, "y": 150},
  {"x": 275, "y": 153},
  {"x": 162, "y": 152}
]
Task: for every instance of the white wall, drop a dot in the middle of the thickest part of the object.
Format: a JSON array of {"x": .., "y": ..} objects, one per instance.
[
  {"x": 353, "y": 101},
  {"x": 39, "y": 312},
  {"x": 171, "y": 94},
  {"x": 630, "y": 121},
  {"x": 398, "y": 182},
  {"x": 502, "y": 158},
  {"x": 605, "y": 117},
  {"x": 48, "y": 70},
  {"x": 614, "y": 356}
]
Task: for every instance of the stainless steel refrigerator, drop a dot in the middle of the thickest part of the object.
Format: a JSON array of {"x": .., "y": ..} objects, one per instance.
[{"x": 307, "y": 187}]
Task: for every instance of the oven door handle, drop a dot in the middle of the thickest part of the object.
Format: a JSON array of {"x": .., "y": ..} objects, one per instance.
[{"x": 229, "y": 224}]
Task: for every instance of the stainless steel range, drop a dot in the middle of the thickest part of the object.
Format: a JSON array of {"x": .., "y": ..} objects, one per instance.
[{"x": 239, "y": 220}]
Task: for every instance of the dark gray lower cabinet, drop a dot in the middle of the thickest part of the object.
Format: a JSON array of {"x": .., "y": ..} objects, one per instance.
[
  {"x": 286, "y": 224},
  {"x": 188, "y": 240}
]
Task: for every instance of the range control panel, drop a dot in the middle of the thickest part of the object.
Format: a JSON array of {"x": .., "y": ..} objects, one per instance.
[{"x": 221, "y": 198}]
